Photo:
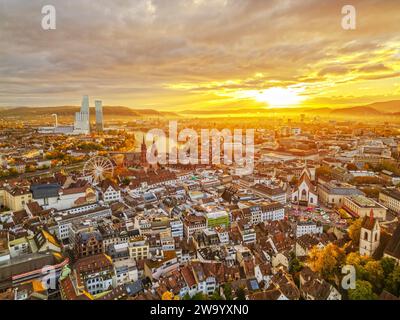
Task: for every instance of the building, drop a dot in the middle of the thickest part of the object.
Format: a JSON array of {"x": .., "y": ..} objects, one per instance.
[
  {"x": 15, "y": 198},
  {"x": 158, "y": 266},
  {"x": 217, "y": 219},
  {"x": 275, "y": 194},
  {"x": 193, "y": 223},
  {"x": 110, "y": 191},
  {"x": 88, "y": 243},
  {"x": 390, "y": 198},
  {"x": 305, "y": 193},
  {"x": 392, "y": 249},
  {"x": 360, "y": 206},
  {"x": 45, "y": 194},
  {"x": 125, "y": 272},
  {"x": 370, "y": 235},
  {"x": 138, "y": 248},
  {"x": 94, "y": 274},
  {"x": 331, "y": 193},
  {"x": 264, "y": 211},
  {"x": 82, "y": 118},
  {"x": 247, "y": 233},
  {"x": 308, "y": 227},
  {"x": 99, "y": 115}
]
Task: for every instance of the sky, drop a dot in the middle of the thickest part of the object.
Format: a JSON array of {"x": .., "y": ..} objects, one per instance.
[{"x": 179, "y": 55}]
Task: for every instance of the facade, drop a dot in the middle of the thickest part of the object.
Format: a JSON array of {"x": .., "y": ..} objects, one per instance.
[
  {"x": 370, "y": 235},
  {"x": 194, "y": 223},
  {"x": 157, "y": 267},
  {"x": 332, "y": 193},
  {"x": 82, "y": 118},
  {"x": 390, "y": 198},
  {"x": 217, "y": 219},
  {"x": 275, "y": 194},
  {"x": 110, "y": 191},
  {"x": 361, "y": 206},
  {"x": 305, "y": 193},
  {"x": 88, "y": 243},
  {"x": 95, "y": 274},
  {"x": 138, "y": 248},
  {"x": 392, "y": 249},
  {"x": 15, "y": 198},
  {"x": 308, "y": 227},
  {"x": 99, "y": 115}
]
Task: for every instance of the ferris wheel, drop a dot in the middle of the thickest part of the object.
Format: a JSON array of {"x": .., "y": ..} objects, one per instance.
[{"x": 98, "y": 168}]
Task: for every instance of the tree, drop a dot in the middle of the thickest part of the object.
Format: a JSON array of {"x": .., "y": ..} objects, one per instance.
[
  {"x": 392, "y": 283},
  {"x": 186, "y": 297},
  {"x": 326, "y": 261},
  {"x": 359, "y": 262},
  {"x": 375, "y": 275},
  {"x": 294, "y": 180},
  {"x": 167, "y": 295},
  {"x": 323, "y": 171},
  {"x": 354, "y": 231},
  {"x": 199, "y": 296},
  {"x": 352, "y": 167},
  {"x": 295, "y": 265},
  {"x": 216, "y": 295},
  {"x": 363, "y": 291},
  {"x": 240, "y": 294},
  {"x": 228, "y": 291},
  {"x": 388, "y": 265}
]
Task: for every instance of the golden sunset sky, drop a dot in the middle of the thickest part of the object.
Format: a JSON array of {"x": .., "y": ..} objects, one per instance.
[{"x": 199, "y": 54}]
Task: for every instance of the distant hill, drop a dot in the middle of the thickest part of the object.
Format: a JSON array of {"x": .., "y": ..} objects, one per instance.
[
  {"x": 69, "y": 111},
  {"x": 374, "y": 109},
  {"x": 356, "y": 111},
  {"x": 386, "y": 106}
]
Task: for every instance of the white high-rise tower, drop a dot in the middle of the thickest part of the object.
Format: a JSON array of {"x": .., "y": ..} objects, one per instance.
[
  {"x": 99, "y": 115},
  {"x": 82, "y": 123}
]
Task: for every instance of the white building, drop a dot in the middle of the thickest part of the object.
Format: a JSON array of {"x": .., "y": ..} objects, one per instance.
[
  {"x": 82, "y": 118},
  {"x": 308, "y": 227},
  {"x": 370, "y": 235},
  {"x": 305, "y": 192}
]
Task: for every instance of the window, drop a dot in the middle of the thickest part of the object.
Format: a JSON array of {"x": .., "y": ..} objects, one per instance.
[{"x": 365, "y": 235}]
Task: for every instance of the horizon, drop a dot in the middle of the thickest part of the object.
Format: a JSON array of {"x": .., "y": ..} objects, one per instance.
[{"x": 200, "y": 55}]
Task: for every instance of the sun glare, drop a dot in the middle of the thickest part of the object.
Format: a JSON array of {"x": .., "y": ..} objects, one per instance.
[
  {"x": 274, "y": 97},
  {"x": 278, "y": 97}
]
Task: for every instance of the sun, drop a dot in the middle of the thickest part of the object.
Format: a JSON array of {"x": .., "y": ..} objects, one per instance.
[
  {"x": 279, "y": 97},
  {"x": 276, "y": 97}
]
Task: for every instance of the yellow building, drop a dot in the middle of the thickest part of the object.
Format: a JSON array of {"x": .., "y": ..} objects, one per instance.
[
  {"x": 138, "y": 248},
  {"x": 15, "y": 198},
  {"x": 361, "y": 206}
]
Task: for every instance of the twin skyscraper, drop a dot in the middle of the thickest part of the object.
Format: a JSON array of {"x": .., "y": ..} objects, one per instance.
[{"x": 82, "y": 118}]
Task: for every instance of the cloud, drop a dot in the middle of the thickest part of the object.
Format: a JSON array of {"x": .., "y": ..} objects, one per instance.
[{"x": 139, "y": 52}]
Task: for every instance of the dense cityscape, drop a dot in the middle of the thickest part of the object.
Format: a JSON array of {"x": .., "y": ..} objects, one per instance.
[
  {"x": 199, "y": 157},
  {"x": 84, "y": 216}
]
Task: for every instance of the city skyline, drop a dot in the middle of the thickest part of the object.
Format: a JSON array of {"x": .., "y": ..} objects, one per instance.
[{"x": 204, "y": 55}]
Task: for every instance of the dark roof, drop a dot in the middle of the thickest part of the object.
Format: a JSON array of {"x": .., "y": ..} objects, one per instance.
[
  {"x": 393, "y": 247},
  {"x": 395, "y": 194},
  {"x": 41, "y": 191},
  {"x": 368, "y": 222},
  {"x": 385, "y": 295}
]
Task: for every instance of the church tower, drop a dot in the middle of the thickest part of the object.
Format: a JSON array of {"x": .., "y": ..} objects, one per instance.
[
  {"x": 143, "y": 153},
  {"x": 370, "y": 235}
]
